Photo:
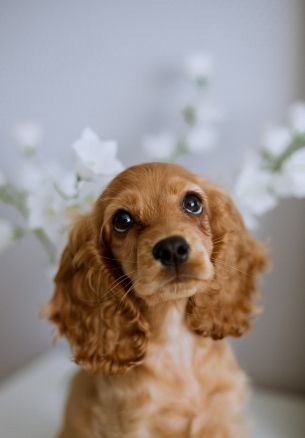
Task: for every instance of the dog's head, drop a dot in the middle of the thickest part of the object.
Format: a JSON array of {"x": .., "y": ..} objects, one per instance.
[{"x": 157, "y": 233}]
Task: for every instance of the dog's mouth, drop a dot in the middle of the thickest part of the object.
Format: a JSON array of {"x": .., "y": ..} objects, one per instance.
[
  {"x": 182, "y": 280},
  {"x": 185, "y": 275},
  {"x": 174, "y": 282},
  {"x": 175, "y": 288}
]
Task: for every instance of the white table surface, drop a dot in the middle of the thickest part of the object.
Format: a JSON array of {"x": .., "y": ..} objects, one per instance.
[{"x": 31, "y": 403}]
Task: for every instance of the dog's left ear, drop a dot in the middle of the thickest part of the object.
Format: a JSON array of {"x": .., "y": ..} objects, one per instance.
[
  {"x": 91, "y": 307},
  {"x": 225, "y": 307}
]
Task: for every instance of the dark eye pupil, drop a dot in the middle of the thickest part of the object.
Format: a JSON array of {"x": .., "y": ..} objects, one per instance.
[
  {"x": 122, "y": 221},
  {"x": 192, "y": 204}
]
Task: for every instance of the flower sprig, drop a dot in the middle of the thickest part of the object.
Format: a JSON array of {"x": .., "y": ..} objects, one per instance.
[
  {"x": 276, "y": 170},
  {"x": 196, "y": 132},
  {"x": 48, "y": 196}
]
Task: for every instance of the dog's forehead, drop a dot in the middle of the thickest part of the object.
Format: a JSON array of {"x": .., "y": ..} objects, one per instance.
[
  {"x": 152, "y": 190},
  {"x": 155, "y": 177}
]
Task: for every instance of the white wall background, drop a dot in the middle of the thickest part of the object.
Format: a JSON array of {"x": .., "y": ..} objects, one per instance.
[{"x": 114, "y": 65}]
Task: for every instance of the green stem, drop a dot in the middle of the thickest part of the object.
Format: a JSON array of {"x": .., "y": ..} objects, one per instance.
[
  {"x": 46, "y": 243},
  {"x": 189, "y": 115},
  {"x": 181, "y": 149},
  {"x": 276, "y": 164}
]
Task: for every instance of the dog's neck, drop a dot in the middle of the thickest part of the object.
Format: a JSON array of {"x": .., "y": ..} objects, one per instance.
[
  {"x": 171, "y": 343},
  {"x": 167, "y": 319}
]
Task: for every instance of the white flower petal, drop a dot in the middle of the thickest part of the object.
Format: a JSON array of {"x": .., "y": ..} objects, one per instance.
[
  {"x": 67, "y": 184},
  {"x": 31, "y": 175},
  {"x": 6, "y": 234},
  {"x": 88, "y": 193},
  {"x": 201, "y": 139},
  {"x": 97, "y": 156},
  {"x": 47, "y": 210},
  {"x": 64, "y": 182},
  {"x": 296, "y": 116},
  {"x": 253, "y": 190},
  {"x": 28, "y": 135},
  {"x": 281, "y": 184},
  {"x": 294, "y": 170},
  {"x": 248, "y": 217},
  {"x": 277, "y": 140},
  {"x": 160, "y": 146},
  {"x": 199, "y": 66}
]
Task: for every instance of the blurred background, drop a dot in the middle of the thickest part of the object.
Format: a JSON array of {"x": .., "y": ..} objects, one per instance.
[{"x": 115, "y": 67}]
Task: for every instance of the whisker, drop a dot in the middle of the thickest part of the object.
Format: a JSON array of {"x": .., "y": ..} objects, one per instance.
[
  {"x": 125, "y": 294},
  {"x": 121, "y": 277},
  {"x": 108, "y": 292},
  {"x": 117, "y": 260},
  {"x": 117, "y": 283},
  {"x": 130, "y": 289},
  {"x": 229, "y": 266},
  {"x": 167, "y": 281}
]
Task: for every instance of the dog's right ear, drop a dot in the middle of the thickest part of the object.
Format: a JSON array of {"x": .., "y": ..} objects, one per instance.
[
  {"x": 91, "y": 308},
  {"x": 226, "y": 306}
]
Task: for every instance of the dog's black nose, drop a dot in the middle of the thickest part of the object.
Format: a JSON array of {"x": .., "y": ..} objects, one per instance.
[{"x": 171, "y": 251}]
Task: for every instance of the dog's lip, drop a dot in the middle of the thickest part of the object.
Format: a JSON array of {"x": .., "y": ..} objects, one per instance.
[{"x": 183, "y": 278}]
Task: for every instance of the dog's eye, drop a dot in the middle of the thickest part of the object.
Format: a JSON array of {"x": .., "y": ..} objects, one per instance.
[
  {"x": 122, "y": 221},
  {"x": 192, "y": 204}
]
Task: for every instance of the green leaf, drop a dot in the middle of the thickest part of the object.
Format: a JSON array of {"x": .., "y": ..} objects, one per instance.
[
  {"x": 275, "y": 164},
  {"x": 12, "y": 196}
]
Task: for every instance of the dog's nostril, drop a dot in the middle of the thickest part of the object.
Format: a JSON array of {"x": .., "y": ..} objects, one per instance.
[
  {"x": 171, "y": 251},
  {"x": 182, "y": 250}
]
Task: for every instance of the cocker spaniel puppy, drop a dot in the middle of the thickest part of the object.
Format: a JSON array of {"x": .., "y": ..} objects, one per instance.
[{"x": 149, "y": 284}]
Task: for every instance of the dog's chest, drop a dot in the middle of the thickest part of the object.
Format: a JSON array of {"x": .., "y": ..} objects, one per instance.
[{"x": 170, "y": 359}]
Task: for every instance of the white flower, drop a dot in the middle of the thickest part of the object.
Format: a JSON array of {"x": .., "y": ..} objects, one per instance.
[
  {"x": 252, "y": 190},
  {"x": 88, "y": 193},
  {"x": 48, "y": 210},
  {"x": 199, "y": 66},
  {"x": 33, "y": 174},
  {"x": 248, "y": 217},
  {"x": 277, "y": 140},
  {"x": 6, "y": 234},
  {"x": 96, "y": 156},
  {"x": 296, "y": 116},
  {"x": 294, "y": 170},
  {"x": 28, "y": 135},
  {"x": 160, "y": 146},
  {"x": 201, "y": 139},
  {"x": 2, "y": 179},
  {"x": 65, "y": 183},
  {"x": 30, "y": 176},
  {"x": 55, "y": 204}
]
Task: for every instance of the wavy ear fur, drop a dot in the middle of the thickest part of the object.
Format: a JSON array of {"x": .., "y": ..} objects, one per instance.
[
  {"x": 90, "y": 306},
  {"x": 225, "y": 307}
]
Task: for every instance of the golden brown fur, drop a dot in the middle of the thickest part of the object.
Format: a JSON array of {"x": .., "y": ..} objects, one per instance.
[{"x": 148, "y": 338}]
